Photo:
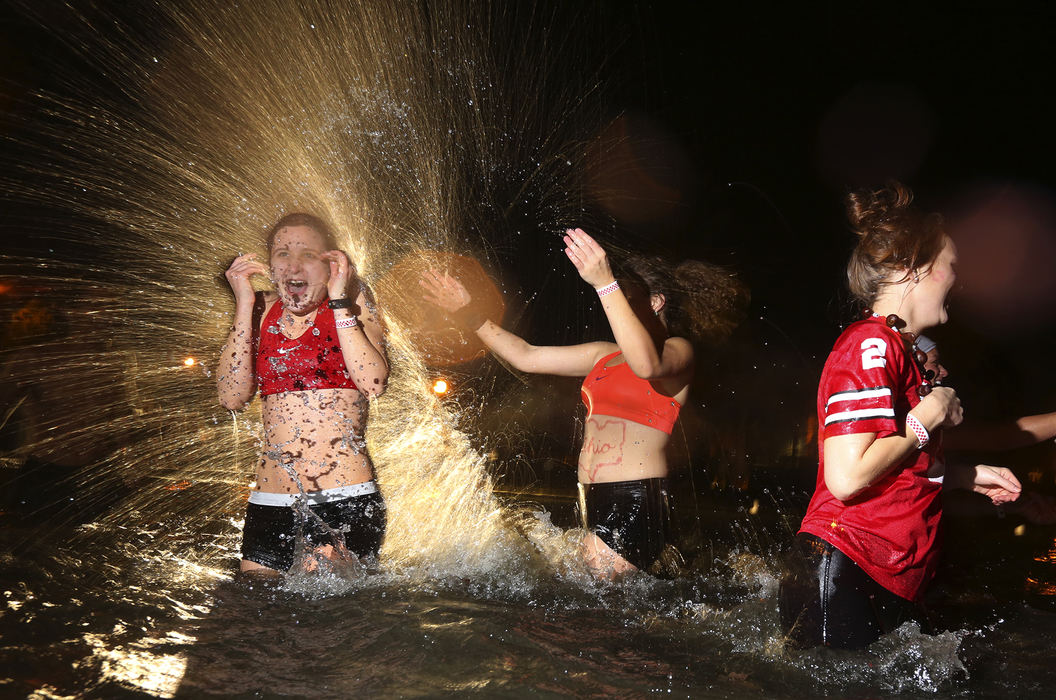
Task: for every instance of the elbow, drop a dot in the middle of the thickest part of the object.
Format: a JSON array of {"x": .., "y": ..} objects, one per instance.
[
  {"x": 647, "y": 370},
  {"x": 524, "y": 360},
  {"x": 233, "y": 403},
  {"x": 843, "y": 489},
  {"x": 375, "y": 387},
  {"x": 234, "y": 400}
]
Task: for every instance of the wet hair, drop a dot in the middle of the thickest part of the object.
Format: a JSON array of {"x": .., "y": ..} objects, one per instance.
[
  {"x": 892, "y": 236},
  {"x": 301, "y": 219},
  {"x": 704, "y": 302}
]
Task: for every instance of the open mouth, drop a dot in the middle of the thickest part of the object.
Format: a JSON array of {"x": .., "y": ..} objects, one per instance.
[{"x": 296, "y": 287}]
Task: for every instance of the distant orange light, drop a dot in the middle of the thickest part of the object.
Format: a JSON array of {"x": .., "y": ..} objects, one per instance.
[
  {"x": 440, "y": 387},
  {"x": 4, "y": 287},
  {"x": 190, "y": 362}
]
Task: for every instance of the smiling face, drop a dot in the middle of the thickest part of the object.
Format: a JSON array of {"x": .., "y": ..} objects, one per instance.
[
  {"x": 298, "y": 269},
  {"x": 931, "y": 293}
]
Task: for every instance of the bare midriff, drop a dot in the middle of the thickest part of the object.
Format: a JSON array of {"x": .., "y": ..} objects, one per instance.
[
  {"x": 616, "y": 449},
  {"x": 317, "y": 435}
]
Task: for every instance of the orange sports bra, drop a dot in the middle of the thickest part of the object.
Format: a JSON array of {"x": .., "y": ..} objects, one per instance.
[{"x": 617, "y": 391}]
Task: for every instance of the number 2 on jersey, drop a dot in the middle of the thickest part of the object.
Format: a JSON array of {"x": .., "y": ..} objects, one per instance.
[{"x": 873, "y": 351}]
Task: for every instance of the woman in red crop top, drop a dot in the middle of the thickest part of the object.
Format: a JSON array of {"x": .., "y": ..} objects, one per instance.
[
  {"x": 316, "y": 353},
  {"x": 869, "y": 541},
  {"x": 633, "y": 391}
]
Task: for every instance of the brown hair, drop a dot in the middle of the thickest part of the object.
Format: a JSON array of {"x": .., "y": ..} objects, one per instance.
[
  {"x": 301, "y": 219},
  {"x": 704, "y": 302},
  {"x": 892, "y": 236}
]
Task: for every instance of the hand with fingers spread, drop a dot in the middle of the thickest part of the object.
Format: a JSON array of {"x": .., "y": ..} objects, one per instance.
[
  {"x": 589, "y": 258},
  {"x": 998, "y": 484},
  {"x": 239, "y": 274},
  {"x": 444, "y": 291},
  {"x": 341, "y": 272}
]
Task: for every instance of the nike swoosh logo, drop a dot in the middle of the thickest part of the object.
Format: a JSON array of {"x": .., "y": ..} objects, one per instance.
[{"x": 283, "y": 351}]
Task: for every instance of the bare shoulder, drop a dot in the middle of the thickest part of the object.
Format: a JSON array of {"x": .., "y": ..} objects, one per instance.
[
  {"x": 599, "y": 349},
  {"x": 681, "y": 346}
]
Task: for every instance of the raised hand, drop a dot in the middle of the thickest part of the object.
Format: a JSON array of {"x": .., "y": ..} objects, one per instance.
[
  {"x": 239, "y": 273},
  {"x": 444, "y": 291},
  {"x": 341, "y": 271},
  {"x": 589, "y": 258}
]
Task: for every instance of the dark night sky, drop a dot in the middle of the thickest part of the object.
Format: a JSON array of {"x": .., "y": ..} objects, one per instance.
[{"x": 793, "y": 103}]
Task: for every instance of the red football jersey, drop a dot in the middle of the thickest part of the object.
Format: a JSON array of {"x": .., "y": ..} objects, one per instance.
[{"x": 891, "y": 528}]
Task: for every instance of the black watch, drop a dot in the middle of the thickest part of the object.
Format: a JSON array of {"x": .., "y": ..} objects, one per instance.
[{"x": 343, "y": 303}]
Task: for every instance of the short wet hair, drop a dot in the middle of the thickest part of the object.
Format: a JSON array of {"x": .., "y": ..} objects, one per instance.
[{"x": 301, "y": 219}]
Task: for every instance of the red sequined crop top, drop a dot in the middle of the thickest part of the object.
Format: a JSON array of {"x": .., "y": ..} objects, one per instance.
[
  {"x": 311, "y": 361},
  {"x": 617, "y": 391}
]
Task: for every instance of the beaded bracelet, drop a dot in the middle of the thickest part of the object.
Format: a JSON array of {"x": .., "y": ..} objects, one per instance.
[
  {"x": 922, "y": 434},
  {"x": 350, "y": 322},
  {"x": 608, "y": 288}
]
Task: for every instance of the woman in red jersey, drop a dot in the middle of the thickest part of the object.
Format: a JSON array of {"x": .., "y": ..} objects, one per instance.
[
  {"x": 316, "y": 352},
  {"x": 868, "y": 545},
  {"x": 634, "y": 388}
]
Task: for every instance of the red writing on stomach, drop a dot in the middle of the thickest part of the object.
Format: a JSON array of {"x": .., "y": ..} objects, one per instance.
[{"x": 603, "y": 446}]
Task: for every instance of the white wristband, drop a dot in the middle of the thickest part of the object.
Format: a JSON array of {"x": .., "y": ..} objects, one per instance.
[
  {"x": 922, "y": 434},
  {"x": 350, "y": 322},
  {"x": 608, "y": 288}
]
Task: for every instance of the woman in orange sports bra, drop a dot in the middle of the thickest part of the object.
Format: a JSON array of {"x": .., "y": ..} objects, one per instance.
[{"x": 633, "y": 391}]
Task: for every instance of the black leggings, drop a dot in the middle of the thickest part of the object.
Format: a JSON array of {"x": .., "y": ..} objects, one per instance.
[{"x": 827, "y": 599}]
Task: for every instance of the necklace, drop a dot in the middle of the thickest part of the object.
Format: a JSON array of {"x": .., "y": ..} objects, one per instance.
[{"x": 895, "y": 323}]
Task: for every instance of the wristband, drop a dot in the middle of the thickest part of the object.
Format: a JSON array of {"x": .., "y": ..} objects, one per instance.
[
  {"x": 342, "y": 303},
  {"x": 922, "y": 434},
  {"x": 350, "y": 322},
  {"x": 608, "y": 288}
]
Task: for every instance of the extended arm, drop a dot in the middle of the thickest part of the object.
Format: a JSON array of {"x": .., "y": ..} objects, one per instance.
[
  {"x": 1008, "y": 435},
  {"x": 450, "y": 295},
  {"x": 998, "y": 484},
  {"x": 236, "y": 377}
]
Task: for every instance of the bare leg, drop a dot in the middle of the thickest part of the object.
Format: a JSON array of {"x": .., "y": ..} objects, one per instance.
[
  {"x": 602, "y": 561},
  {"x": 311, "y": 561},
  {"x": 253, "y": 567}
]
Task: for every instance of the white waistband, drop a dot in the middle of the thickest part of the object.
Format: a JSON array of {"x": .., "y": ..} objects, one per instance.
[{"x": 262, "y": 498}]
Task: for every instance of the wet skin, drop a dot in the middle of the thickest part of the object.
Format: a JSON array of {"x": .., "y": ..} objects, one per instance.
[
  {"x": 617, "y": 449},
  {"x": 313, "y": 436}
]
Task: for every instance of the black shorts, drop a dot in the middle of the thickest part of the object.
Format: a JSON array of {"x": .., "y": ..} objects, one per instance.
[
  {"x": 631, "y": 517},
  {"x": 827, "y": 599},
  {"x": 269, "y": 537}
]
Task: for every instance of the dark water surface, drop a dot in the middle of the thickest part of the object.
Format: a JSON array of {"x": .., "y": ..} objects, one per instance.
[{"x": 158, "y": 611}]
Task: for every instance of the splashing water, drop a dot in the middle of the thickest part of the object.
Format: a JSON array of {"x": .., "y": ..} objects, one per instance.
[
  {"x": 399, "y": 123},
  {"x": 186, "y": 131}
]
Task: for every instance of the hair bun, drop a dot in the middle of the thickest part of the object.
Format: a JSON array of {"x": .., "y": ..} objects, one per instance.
[
  {"x": 867, "y": 209},
  {"x": 893, "y": 238}
]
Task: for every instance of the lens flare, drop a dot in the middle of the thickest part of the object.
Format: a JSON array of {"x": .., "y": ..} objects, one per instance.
[{"x": 182, "y": 132}]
